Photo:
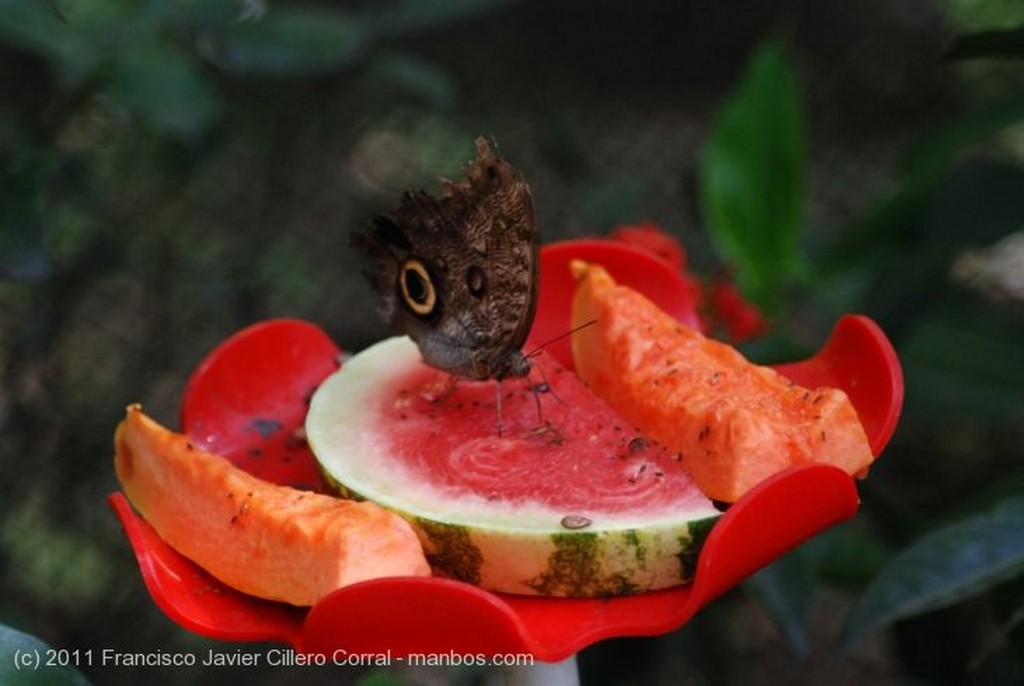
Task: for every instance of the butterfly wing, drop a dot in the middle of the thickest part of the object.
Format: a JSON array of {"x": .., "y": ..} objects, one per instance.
[{"x": 458, "y": 273}]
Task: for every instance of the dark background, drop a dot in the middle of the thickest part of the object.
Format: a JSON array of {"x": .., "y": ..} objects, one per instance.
[{"x": 173, "y": 171}]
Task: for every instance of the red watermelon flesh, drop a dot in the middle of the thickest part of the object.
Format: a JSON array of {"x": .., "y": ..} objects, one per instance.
[
  {"x": 571, "y": 502},
  {"x": 573, "y": 456}
]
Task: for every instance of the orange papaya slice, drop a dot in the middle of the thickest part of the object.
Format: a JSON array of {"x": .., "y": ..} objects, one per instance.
[
  {"x": 270, "y": 541},
  {"x": 733, "y": 423}
]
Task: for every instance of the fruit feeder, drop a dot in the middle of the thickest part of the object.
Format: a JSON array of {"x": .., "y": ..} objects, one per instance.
[{"x": 247, "y": 401}]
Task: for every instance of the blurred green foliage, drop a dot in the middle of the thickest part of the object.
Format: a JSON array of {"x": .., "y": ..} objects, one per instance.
[
  {"x": 962, "y": 356},
  {"x": 752, "y": 178},
  {"x": 958, "y": 561},
  {"x": 171, "y": 170}
]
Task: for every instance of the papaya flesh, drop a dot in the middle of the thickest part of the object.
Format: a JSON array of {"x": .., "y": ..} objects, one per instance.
[
  {"x": 270, "y": 541},
  {"x": 731, "y": 422}
]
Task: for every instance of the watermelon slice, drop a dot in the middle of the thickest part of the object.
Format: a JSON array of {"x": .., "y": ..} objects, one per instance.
[{"x": 578, "y": 504}]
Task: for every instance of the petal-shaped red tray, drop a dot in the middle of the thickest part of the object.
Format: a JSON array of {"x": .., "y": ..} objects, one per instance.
[{"x": 249, "y": 396}]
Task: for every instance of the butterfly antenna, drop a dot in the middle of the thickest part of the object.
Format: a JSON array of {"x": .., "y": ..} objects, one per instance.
[
  {"x": 543, "y": 387},
  {"x": 537, "y": 350}
]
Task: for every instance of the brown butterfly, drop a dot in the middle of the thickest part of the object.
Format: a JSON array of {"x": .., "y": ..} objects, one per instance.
[{"x": 458, "y": 273}]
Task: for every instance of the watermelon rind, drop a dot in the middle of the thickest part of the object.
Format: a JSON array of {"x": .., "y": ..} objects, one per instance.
[{"x": 521, "y": 548}]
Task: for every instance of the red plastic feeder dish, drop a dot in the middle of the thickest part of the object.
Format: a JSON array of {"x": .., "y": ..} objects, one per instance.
[{"x": 250, "y": 395}]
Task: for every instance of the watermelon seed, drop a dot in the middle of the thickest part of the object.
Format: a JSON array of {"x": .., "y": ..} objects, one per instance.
[
  {"x": 705, "y": 431},
  {"x": 637, "y": 444},
  {"x": 576, "y": 522},
  {"x": 714, "y": 379}
]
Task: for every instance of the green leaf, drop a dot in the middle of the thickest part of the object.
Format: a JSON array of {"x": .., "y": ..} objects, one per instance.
[
  {"x": 984, "y": 15},
  {"x": 292, "y": 42},
  {"x": 752, "y": 177},
  {"x": 165, "y": 87},
  {"x": 903, "y": 255},
  {"x": 964, "y": 365},
  {"x": 933, "y": 156},
  {"x": 35, "y": 28},
  {"x": 785, "y": 590},
  {"x": 949, "y": 565},
  {"x": 425, "y": 79},
  {"x": 23, "y": 662}
]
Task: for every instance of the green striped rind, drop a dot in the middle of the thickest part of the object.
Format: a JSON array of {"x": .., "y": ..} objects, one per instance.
[
  {"x": 610, "y": 563},
  {"x": 600, "y": 563}
]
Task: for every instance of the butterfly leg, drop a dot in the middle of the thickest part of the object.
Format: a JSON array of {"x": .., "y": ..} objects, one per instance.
[{"x": 543, "y": 387}]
